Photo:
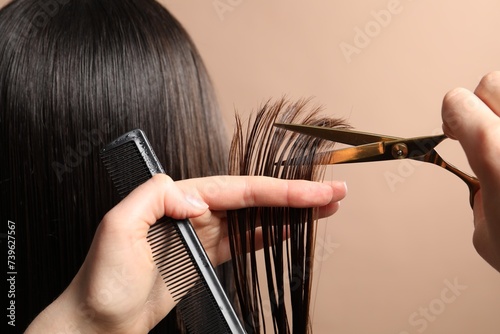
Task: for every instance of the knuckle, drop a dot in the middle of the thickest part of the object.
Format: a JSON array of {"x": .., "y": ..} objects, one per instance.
[
  {"x": 457, "y": 103},
  {"x": 111, "y": 221},
  {"x": 248, "y": 198},
  {"x": 491, "y": 81},
  {"x": 487, "y": 139},
  {"x": 454, "y": 97},
  {"x": 162, "y": 179}
]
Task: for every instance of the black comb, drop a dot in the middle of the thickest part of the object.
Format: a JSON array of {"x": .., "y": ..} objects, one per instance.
[{"x": 177, "y": 251}]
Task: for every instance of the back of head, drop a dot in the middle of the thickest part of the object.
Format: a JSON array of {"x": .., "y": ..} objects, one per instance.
[{"x": 75, "y": 74}]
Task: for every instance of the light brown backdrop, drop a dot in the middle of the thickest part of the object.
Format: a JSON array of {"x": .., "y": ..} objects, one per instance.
[
  {"x": 391, "y": 252},
  {"x": 393, "y": 248},
  {"x": 397, "y": 258}
]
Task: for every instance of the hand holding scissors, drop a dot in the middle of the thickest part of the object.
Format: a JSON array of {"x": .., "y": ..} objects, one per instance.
[{"x": 473, "y": 118}]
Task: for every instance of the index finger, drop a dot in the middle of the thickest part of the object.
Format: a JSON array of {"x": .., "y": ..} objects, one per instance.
[{"x": 236, "y": 192}]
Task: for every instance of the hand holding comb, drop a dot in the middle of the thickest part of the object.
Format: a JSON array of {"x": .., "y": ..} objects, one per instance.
[{"x": 177, "y": 251}]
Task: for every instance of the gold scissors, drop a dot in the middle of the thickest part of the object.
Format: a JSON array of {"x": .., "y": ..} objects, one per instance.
[{"x": 374, "y": 147}]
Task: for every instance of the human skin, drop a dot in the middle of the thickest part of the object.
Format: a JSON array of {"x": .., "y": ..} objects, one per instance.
[
  {"x": 473, "y": 118},
  {"x": 118, "y": 288}
]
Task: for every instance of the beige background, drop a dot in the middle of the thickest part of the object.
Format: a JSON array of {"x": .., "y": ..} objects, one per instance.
[
  {"x": 390, "y": 249},
  {"x": 391, "y": 252}
]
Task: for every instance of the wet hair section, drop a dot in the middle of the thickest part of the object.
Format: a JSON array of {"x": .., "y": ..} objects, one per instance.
[{"x": 275, "y": 284}]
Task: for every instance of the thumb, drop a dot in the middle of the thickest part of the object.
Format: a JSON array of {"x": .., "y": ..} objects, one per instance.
[
  {"x": 469, "y": 120},
  {"x": 157, "y": 197}
]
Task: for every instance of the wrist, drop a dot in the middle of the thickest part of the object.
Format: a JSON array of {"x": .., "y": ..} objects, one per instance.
[{"x": 64, "y": 315}]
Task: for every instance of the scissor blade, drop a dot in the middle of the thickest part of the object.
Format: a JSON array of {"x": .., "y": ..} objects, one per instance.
[
  {"x": 362, "y": 153},
  {"x": 344, "y": 136},
  {"x": 418, "y": 147},
  {"x": 413, "y": 148}
]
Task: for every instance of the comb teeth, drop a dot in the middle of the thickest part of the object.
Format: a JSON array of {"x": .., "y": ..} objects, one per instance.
[
  {"x": 177, "y": 252},
  {"x": 202, "y": 319},
  {"x": 126, "y": 168},
  {"x": 199, "y": 309},
  {"x": 171, "y": 257}
]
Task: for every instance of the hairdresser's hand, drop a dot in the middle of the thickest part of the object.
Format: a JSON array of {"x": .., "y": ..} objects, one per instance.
[
  {"x": 118, "y": 288},
  {"x": 474, "y": 119}
]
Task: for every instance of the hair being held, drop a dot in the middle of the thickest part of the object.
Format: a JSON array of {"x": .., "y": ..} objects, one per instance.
[{"x": 284, "y": 287}]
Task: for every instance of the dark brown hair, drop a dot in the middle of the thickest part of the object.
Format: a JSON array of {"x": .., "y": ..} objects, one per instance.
[
  {"x": 75, "y": 75},
  {"x": 288, "y": 233}
]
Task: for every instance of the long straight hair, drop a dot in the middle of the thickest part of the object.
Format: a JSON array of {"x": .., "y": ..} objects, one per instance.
[
  {"x": 283, "y": 289},
  {"x": 75, "y": 75}
]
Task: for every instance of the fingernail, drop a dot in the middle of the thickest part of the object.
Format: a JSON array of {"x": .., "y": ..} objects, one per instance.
[
  {"x": 342, "y": 184},
  {"x": 448, "y": 132},
  {"x": 196, "y": 202}
]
